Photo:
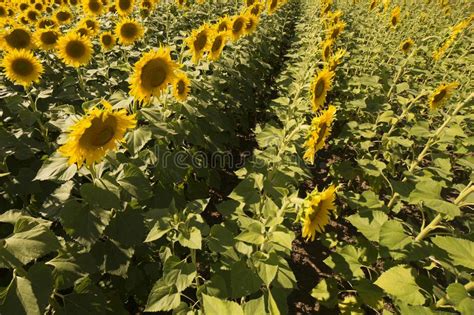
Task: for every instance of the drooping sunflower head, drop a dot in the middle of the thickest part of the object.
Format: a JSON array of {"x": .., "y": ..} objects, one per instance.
[
  {"x": 46, "y": 39},
  {"x": 152, "y": 74},
  {"x": 319, "y": 88},
  {"x": 326, "y": 49},
  {"x": 22, "y": 67},
  {"x": 442, "y": 93},
  {"x": 256, "y": 9},
  {"x": 272, "y": 6},
  {"x": 17, "y": 37},
  {"x": 181, "y": 86},
  {"x": 124, "y": 7},
  {"x": 252, "y": 23},
  {"x": 407, "y": 45},
  {"x": 319, "y": 131},
  {"x": 239, "y": 24},
  {"x": 99, "y": 131},
  {"x": 128, "y": 31},
  {"x": 63, "y": 15},
  {"x": 395, "y": 17},
  {"x": 200, "y": 41},
  {"x": 317, "y": 210},
  {"x": 217, "y": 45},
  {"x": 336, "y": 30},
  {"x": 93, "y": 7},
  {"x": 249, "y": 3},
  {"x": 107, "y": 41},
  {"x": 74, "y": 50}
]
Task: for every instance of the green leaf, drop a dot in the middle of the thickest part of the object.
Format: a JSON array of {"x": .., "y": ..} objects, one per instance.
[
  {"x": 369, "y": 224},
  {"x": 244, "y": 281},
  {"x": 246, "y": 192},
  {"x": 56, "y": 168},
  {"x": 31, "y": 242},
  {"x": 84, "y": 224},
  {"x": 394, "y": 238},
  {"x": 111, "y": 257},
  {"x": 370, "y": 294},
  {"x": 220, "y": 239},
  {"x": 134, "y": 182},
  {"x": 215, "y": 306},
  {"x": 399, "y": 282},
  {"x": 428, "y": 192},
  {"x": 457, "y": 293},
  {"x": 97, "y": 196},
  {"x": 251, "y": 237},
  {"x": 20, "y": 298},
  {"x": 190, "y": 238},
  {"x": 137, "y": 138},
  {"x": 254, "y": 307},
  {"x": 461, "y": 251},
  {"x": 163, "y": 297}
]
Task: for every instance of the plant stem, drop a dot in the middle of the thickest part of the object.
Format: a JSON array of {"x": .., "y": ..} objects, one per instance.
[
  {"x": 194, "y": 260},
  {"x": 442, "y": 302},
  {"x": 399, "y": 74}
]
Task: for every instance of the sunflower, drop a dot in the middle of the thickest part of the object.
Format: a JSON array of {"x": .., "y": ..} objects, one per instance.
[
  {"x": 3, "y": 10},
  {"x": 272, "y": 6},
  {"x": 181, "y": 3},
  {"x": 395, "y": 17},
  {"x": 336, "y": 59},
  {"x": 336, "y": 30},
  {"x": 223, "y": 25},
  {"x": 107, "y": 40},
  {"x": 128, "y": 31},
  {"x": 319, "y": 131},
  {"x": 91, "y": 24},
  {"x": 47, "y": 23},
  {"x": 406, "y": 45},
  {"x": 181, "y": 86},
  {"x": 252, "y": 23},
  {"x": 92, "y": 7},
  {"x": 249, "y": 3},
  {"x": 32, "y": 15},
  {"x": 326, "y": 49},
  {"x": 320, "y": 87},
  {"x": 239, "y": 23},
  {"x": 46, "y": 39},
  {"x": 200, "y": 41},
  {"x": 316, "y": 212},
  {"x": 63, "y": 15},
  {"x": 124, "y": 7},
  {"x": 256, "y": 9},
  {"x": 152, "y": 74},
  {"x": 22, "y": 67},
  {"x": 218, "y": 43},
  {"x": 75, "y": 50},
  {"x": 99, "y": 131},
  {"x": 441, "y": 95},
  {"x": 17, "y": 38}
]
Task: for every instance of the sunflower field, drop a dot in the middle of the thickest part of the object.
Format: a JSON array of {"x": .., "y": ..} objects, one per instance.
[{"x": 238, "y": 157}]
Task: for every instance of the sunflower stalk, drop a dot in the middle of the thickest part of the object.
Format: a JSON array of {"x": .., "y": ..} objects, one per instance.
[
  {"x": 399, "y": 73},
  {"x": 434, "y": 224},
  {"x": 430, "y": 142},
  {"x": 81, "y": 80},
  {"x": 42, "y": 127},
  {"x": 442, "y": 302}
]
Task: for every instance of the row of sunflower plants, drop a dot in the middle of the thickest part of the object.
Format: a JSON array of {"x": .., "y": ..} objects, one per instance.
[
  {"x": 94, "y": 229},
  {"x": 403, "y": 156}
]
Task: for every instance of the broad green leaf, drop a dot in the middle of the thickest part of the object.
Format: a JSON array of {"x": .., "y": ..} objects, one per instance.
[
  {"x": 97, "y": 196},
  {"x": 136, "y": 139},
  {"x": 369, "y": 224},
  {"x": 428, "y": 192},
  {"x": 191, "y": 238},
  {"x": 220, "y": 239},
  {"x": 369, "y": 293},
  {"x": 254, "y": 307},
  {"x": 20, "y": 298},
  {"x": 251, "y": 237},
  {"x": 244, "y": 281},
  {"x": 215, "y": 306},
  {"x": 56, "y": 168},
  {"x": 394, "y": 238},
  {"x": 461, "y": 251},
  {"x": 399, "y": 282},
  {"x": 111, "y": 257},
  {"x": 163, "y": 297},
  {"x": 135, "y": 182}
]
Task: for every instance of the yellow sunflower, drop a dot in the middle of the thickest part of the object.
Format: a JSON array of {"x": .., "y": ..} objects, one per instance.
[
  {"x": 441, "y": 95},
  {"x": 256, "y": 9},
  {"x": 32, "y": 15},
  {"x": 152, "y": 74},
  {"x": 181, "y": 3},
  {"x": 107, "y": 40},
  {"x": 319, "y": 131},
  {"x": 406, "y": 45},
  {"x": 46, "y": 39},
  {"x": 47, "y": 23},
  {"x": 224, "y": 24},
  {"x": 17, "y": 38},
  {"x": 99, "y": 131},
  {"x": 319, "y": 88},
  {"x": 252, "y": 23},
  {"x": 238, "y": 26},
  {"x": 181, "y": 86},
  {"x": 336, "y": 30},
  {"x": 200, "y": 41},
  {"x": 326, "y": 49},
  {"x": 249, "y": 3},
  {"x": 128, "y": 31},
  {"x": 218, "y": 43},
  {"x": 75, "y": 50},
  {"x": 395, "y": 17},
  {"x": 22, "y": 67},
  {"x": 91, "y": 24},
  {"x": 124, "y": 7},
  {"x": 63, "y": 15},
  {"x": 317, "y": 210},
  {"x": 272, "y": 6},
  {"x": 93, "y": 7},
  {"x": 336, "y": 59}
]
